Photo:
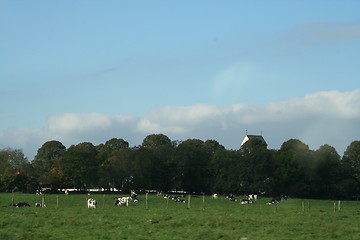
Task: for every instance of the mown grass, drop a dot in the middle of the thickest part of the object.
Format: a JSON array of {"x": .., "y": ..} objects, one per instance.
[{"x": 66, "y": 217}]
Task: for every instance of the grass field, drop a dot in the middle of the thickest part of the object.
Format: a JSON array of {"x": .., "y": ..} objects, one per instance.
[{"x": 67, "y": 217}]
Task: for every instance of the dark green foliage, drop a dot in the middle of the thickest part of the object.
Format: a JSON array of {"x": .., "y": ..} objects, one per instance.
[
  {"x": 45, "y": 160},
  {"x": 80, "y": 164},
  {"x": 191, "y": 165}
]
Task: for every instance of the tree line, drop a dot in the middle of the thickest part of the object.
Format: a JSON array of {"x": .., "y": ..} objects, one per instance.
[{"x": 191, "y": 165}]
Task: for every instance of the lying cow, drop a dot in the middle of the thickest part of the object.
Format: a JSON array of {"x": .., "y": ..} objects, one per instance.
[
  {"x": 231, "y": 198},
  {"x": 91, "y": 203},
  {"x": 174, "y": 198},
  {"x": 40, "y": 205},
  {"x": 20, "y": 204},
  {"x": 273, "y": 201},
  {"x": 245, "y": 201}
]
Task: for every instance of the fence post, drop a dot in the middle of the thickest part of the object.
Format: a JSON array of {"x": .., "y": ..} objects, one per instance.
[
  {"x": 339, "y": 205},
  {"x": 146, "y": 201},
  {"x": 57, "y": 201},
  {"x": 189, "y": 201},
  {"x": 12, "y": 198},
  {"x": 203, "y": 201},
  {"x": 43, "y": 200}
]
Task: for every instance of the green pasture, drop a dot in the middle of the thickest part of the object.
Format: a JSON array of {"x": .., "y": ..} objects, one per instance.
[{"x": 67, "y": 217}]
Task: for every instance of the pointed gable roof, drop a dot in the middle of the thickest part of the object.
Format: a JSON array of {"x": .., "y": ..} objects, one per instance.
[{"x": 248, "y": 137}]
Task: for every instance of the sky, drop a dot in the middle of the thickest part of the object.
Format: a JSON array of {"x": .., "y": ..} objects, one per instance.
[{"x": 88, "y": 71}]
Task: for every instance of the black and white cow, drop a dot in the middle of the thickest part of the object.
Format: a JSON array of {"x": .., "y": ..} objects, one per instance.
[
  {"x": 122, "y": 201},
  {"x": 174, "y": 198},
  {"x": 231, "y": 198},
  {"x": 273, "y": 201},
  {"x": 40, "y": 205},
  {"x": 133, "y": 196},
  {"x": 20, "y": 204},
  {"x": 245, "y": 201},
  {"x": 91, "y": 203},
  {"x": 278, "y": 200},
  {"x": 252, "y": 197}
]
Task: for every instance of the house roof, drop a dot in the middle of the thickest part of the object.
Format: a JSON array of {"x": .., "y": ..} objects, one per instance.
[{"x": 248, "y": 137}]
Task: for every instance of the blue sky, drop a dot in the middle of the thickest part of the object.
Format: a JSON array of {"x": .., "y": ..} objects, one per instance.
[{"x": 79, "y": 71}]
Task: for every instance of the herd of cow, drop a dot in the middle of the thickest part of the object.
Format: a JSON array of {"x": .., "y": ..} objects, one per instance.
[
  {"x": 119, "y": 201},
  {"x": 250, "y": 198},
  {"x": 125, "y": 201}
]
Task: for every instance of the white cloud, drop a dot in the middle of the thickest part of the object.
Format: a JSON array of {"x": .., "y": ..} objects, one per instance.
[{"x": 320, "y": 118}]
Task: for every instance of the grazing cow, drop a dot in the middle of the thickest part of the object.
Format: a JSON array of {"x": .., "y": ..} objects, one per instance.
[
  {"x": 252, "y": 197},
  {"x": 122, "y": 201},
  {"x": 126, "y": 200},
  {"x": 91, "y": 203},
  {"x": 20, "y": 204},
  {"x": 214, "y": 196},
  {"x": 40, "y": 205},
  {"x": 133, "y": 196}
]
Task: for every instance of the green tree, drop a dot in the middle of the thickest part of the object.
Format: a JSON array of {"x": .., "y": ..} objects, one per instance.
[
  {"x": 119, "y": 169},
  {"x": 326, "y": 172},
  {"x": 13, "y": 170},
  {"x": 155, "y": 157},
  {"x": 193, "y": 166},
  {"x": 255, "y": 166},
  {"x": 291, "y": 166},
  {"x": 45, "y": 159},
  {"x": 12, "y": 160},
  {"x": 225, "y": 172},
  {"x": 351, "y": 161},
  {"x": 155, "y": 141},
  {"x": 80, "y": 164},
  {"x": 111, "y": 146},
  {"x": 109, "y": 154}
]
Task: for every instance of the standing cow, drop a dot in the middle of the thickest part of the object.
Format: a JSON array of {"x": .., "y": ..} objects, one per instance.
[{"x": 91, "y": 203}]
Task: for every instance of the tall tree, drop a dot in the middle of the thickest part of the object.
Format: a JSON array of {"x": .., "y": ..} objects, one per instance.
[
  {"x": 225, "y": 172},
  {"x": 45, "y": 159},
  {"x": 13, "y": 174},
  {"x": 159, "y": 160},
  {"x": 109, "y": 154},
  {"x": 155, "y": 141},
  {"x": 80, "y": 164},
  {"x": 255, "y": 166},
  {"x": 291, "y": 163},
  {"x": 12, "y": 160},
  {"x": 351, "y": 161},
  {"x": 193, "y": 166},
  {"x": 326, "y": 172},
  {"x": 118, "y": 170}
]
